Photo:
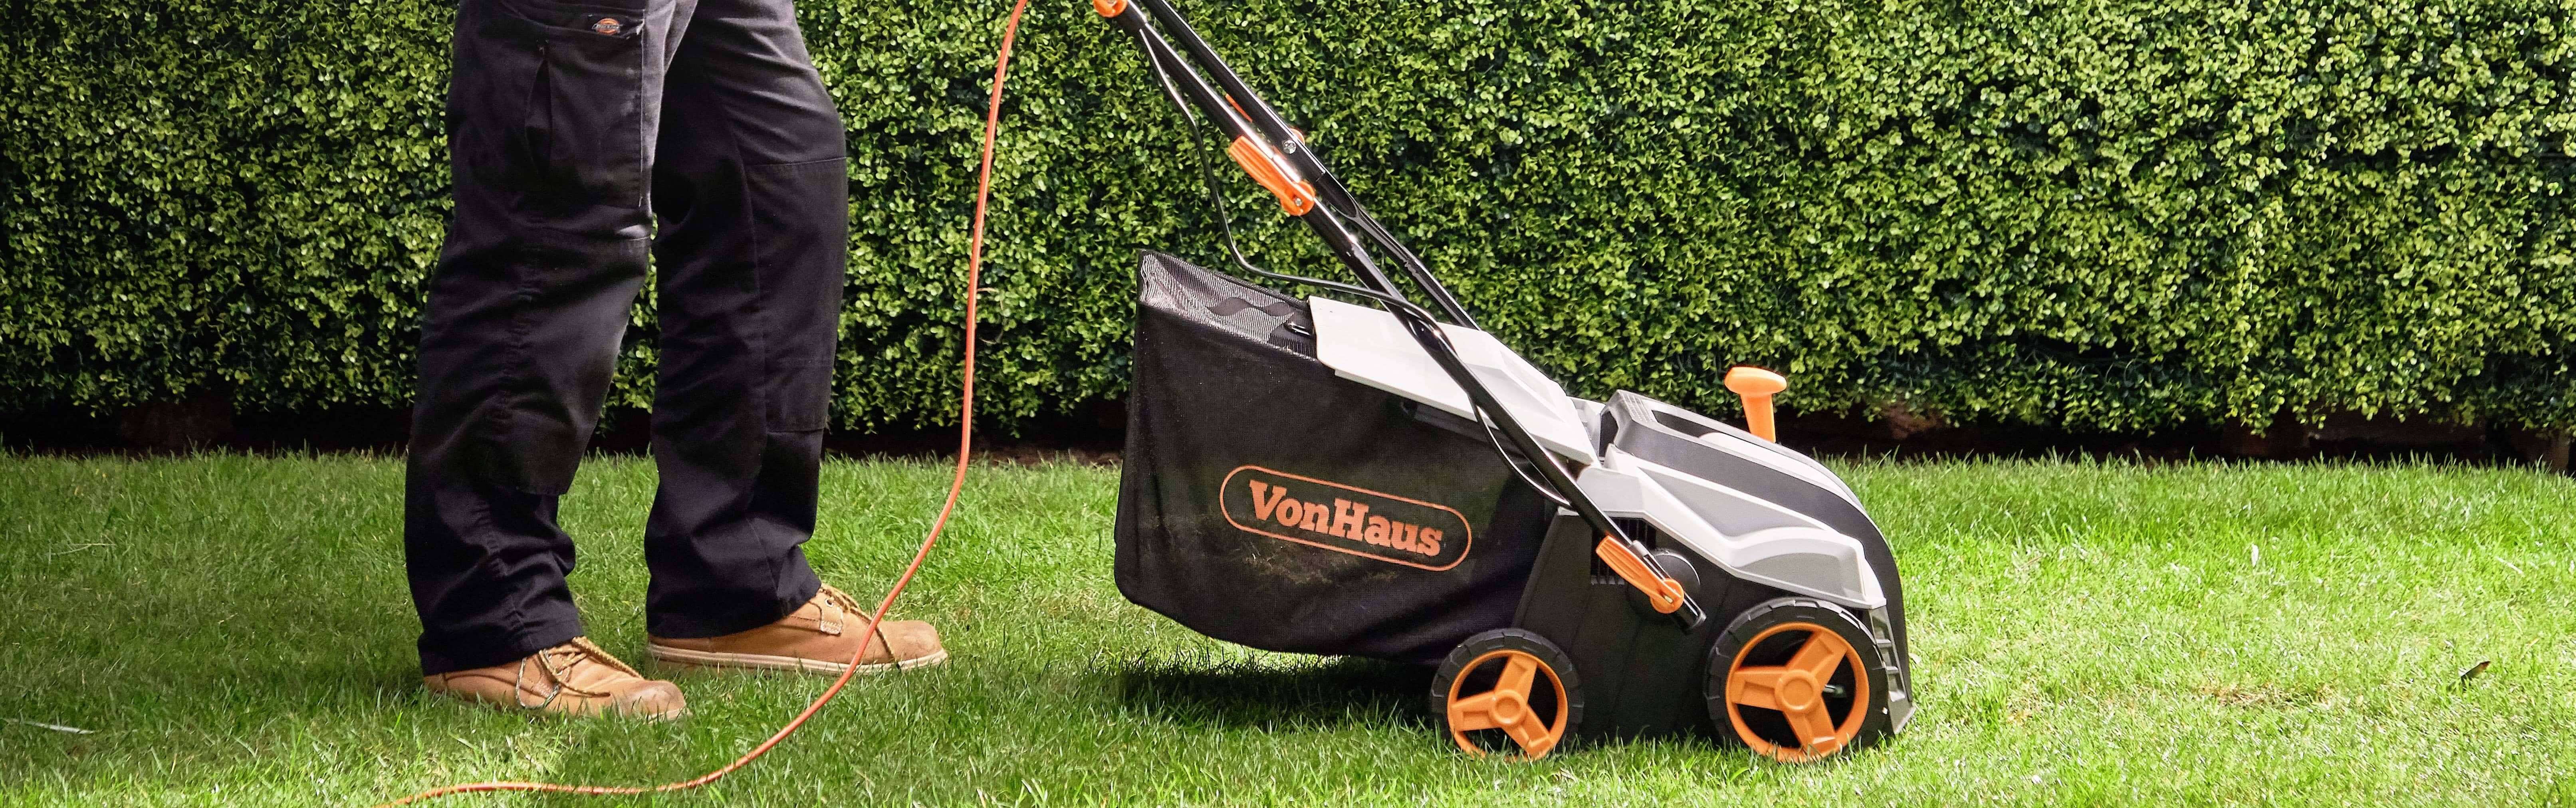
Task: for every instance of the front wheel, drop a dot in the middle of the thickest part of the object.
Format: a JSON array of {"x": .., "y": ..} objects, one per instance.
[
  {"x": 1511, "y": 683},
  {"x": 1797, "y": 680}
]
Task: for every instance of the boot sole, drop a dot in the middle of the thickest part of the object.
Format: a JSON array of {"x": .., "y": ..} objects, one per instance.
[
  {"x": 603, "y": 711},
  {"x": 714, "y": 659}
]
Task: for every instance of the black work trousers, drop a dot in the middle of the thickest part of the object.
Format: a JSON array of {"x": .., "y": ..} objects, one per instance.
[{"x": 581, "y": 135}]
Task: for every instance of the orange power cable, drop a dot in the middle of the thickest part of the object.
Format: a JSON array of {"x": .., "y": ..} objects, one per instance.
[{"x": 956, "y": 485}]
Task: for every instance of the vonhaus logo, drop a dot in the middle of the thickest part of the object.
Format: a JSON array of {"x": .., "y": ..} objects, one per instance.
[{"x": 1346, "y": 519}]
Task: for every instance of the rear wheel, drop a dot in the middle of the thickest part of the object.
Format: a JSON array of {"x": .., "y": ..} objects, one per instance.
[
  {"x": 1798, "y": 680},
  {"x": 1507, "y": 689}
]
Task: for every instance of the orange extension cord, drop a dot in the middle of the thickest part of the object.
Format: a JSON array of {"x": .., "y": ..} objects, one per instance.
[{"x": 956, "y": 485}]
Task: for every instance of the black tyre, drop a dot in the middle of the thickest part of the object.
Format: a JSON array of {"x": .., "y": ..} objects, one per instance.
[
  {"x": 1507, "y": 689},
  {"x": 1798, "y": 680}
]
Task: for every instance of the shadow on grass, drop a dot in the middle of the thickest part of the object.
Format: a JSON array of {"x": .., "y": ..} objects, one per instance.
[{"x": 1247, "y": 694}]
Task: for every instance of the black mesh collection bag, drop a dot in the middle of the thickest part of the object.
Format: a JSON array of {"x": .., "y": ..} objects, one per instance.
[{"x": 1268, "y": 502}]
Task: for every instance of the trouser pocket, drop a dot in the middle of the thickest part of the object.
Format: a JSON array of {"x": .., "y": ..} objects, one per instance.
[{"x": 548, "y": 105}]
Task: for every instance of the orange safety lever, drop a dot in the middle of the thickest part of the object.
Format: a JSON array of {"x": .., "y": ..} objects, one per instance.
[
  {"x": 1295, "y": 196},
  {"x": 1665, "y": 594}
]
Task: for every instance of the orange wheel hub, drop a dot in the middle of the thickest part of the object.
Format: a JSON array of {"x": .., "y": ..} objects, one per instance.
[
  {"x": 1797, "y": 691},
  {"x": 1507, "y": 707}
]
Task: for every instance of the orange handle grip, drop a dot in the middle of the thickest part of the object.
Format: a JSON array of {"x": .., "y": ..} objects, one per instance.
[
  {"x": 1665, "y": 594},
  {"x": 1295, "y": 196}
]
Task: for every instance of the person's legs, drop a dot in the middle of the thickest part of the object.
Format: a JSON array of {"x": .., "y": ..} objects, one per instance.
[
  {"x": 551, "y": 118},
  {"x": 752, "y": 192}
]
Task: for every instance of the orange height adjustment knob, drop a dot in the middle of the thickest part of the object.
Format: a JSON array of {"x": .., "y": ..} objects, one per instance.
[
  {"x": 1295, "y": 195},
  {"x": 1757, "y": 386},
  {"x": 1109, "y": 8}
]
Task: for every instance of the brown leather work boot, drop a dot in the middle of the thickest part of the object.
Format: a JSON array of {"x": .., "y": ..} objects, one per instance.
[
  {"x": 575, "y": 678},
  {"x": 820, "y": 637}
]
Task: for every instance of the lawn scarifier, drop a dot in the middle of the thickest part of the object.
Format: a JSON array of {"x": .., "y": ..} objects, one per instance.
[{"x": 1320, "y": 477}]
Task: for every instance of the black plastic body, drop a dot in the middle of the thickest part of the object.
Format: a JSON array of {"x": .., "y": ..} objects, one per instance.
[
  {"x": 1643, "y": 675},
  {"x": 1647, "y": 676},
  {"x": 1671, "y": 437}
]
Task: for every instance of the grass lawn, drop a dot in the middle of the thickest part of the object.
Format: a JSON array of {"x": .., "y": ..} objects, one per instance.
[{"x": 234, "y": 630}]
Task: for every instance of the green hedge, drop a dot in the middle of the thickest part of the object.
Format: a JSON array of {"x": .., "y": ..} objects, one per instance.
[{"x": 2100, "y": 215}]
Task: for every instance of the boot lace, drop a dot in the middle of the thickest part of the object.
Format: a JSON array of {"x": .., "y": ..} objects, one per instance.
[{"x": 559, "y": 663}]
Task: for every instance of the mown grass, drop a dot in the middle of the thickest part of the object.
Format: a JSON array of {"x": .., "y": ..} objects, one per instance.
[{"x": 234, "y": 630}]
